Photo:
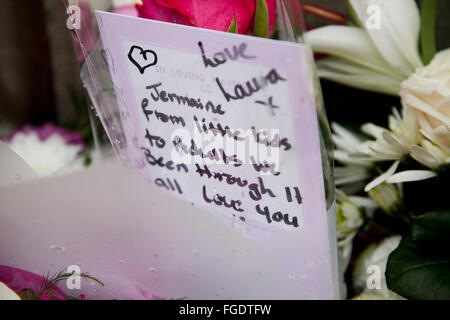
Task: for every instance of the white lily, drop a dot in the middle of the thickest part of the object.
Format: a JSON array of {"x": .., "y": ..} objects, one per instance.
[{"x": 367, "y": 57}]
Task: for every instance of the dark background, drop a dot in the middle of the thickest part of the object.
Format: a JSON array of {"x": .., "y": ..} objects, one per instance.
[{"x": 38, "y": 65}]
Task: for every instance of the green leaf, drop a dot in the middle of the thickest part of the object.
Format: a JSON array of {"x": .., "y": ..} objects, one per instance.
[
  {"x": 233, "y": 26},
  {"x": 431, "y": 226},
  {"x": 261, "y": 19},
  {"x": 428, "y": 30},
  {"x": 416, "y": 272}
]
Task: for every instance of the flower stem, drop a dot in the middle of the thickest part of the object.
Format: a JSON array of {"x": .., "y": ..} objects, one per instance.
[{"x": 428, "y": 30}]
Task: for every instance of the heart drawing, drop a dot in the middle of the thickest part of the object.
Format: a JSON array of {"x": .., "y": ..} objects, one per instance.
[{"x": 141, "y": 58}]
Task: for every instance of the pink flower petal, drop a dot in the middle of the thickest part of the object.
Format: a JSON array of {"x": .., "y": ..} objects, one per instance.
[
  {"x": 150, "y": 10},
  {"x": 128, "y": 10},
  {"x": 18, "y": 279},
  {"x": 214, "y": 14},
  {"x": 272, "y": 9}
]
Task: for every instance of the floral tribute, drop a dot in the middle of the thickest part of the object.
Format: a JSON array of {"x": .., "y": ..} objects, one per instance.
[{"x": 392, "y": 178}]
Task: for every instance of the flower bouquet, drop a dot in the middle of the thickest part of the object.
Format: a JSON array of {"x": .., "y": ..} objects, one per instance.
[{"x": 398, "y": 176}]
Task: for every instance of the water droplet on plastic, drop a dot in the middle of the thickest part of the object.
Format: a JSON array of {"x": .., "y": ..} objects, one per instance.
[
  {"x": 291, "y": 275},
  {"x": 57, "y": 248},
  {"x": 152, "y": 269}
]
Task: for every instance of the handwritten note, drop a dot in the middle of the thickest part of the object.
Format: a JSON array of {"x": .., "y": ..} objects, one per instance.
[{"x": 228, "y": 123}]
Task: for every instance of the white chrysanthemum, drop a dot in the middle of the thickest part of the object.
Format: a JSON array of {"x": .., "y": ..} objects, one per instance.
[
  {"x": 430, "y": 155},
  {"x": 387, "y": 196},
  {"x": 356, "y": 165},
  {"x": 47, "y": 156},
  {"x": 349, "y": 218},
  {"x": 392, "y": 144},
  {"x": 403, "y": 139}
]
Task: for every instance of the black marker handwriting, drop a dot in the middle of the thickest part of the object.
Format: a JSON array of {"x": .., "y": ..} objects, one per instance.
[
  {"x": 169, "y": 165},
  {"x": 277, "y": 216},
  {"x": 165, "y": 96},
  {"x": 222, "y": 56},
  {"x": 250, "y": 87},
  {"x": 220, "y": 200},
  {"x": 141, "y": 58}
]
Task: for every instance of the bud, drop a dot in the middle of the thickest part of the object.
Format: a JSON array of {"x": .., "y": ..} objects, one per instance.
[{"x": 387, "y": 196}]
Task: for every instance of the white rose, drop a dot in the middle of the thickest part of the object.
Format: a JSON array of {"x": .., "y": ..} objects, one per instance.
[
  {"x": 427, "y": 91},
  {"x": 6, "y": 293}
]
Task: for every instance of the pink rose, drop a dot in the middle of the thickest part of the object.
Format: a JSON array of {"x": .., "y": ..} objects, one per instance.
[
  {"x": 18, "y": 279},
  {"x": 209, "y": 14},
  {"x": 127, "y": 9}
]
